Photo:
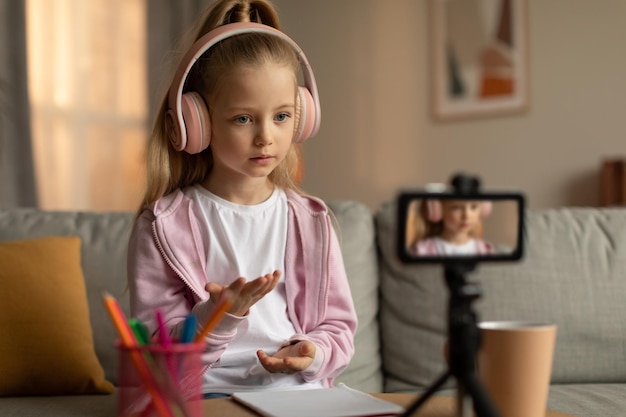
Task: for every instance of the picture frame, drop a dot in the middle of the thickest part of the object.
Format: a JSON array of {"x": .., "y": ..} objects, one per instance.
[{"x": 479, "y": 55}]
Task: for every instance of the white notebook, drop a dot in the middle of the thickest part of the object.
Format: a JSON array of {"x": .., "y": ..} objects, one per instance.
[{"x": 340, "y": 401}]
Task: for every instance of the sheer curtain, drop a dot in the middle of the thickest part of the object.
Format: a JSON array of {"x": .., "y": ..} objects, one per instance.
[
  {"x": 97, "y": 72},
  {"x": 87, "y": 72},
  {"x": 17, "y": 183}
]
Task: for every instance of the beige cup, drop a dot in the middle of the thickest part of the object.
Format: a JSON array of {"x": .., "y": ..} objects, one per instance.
[{"x": 515, "y": 365}]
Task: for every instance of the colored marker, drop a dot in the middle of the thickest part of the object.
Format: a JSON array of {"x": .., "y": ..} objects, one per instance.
[
  {"x": 128, "y": 340},
  {"x": 222, "y": 306},
  {"x": 164, "y": 334},
  {"x": 189, "y": 329},
  {"x": 140, "y": 330}
]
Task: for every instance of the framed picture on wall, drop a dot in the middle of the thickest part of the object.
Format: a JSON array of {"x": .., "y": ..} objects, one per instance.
[{"x": 479, "y": 54}]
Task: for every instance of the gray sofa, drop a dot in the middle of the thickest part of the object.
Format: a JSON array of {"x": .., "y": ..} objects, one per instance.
[{"x": 573, "y": 274}]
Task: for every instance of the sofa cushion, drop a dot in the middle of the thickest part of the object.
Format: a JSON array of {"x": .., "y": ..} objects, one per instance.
[
  {"x": 355, "y": 229},
  {"x": 413, "y": 301},
  {"x": 104, "y": 238},
  {"x": 588, "y": 400},
  {"x": 43, "y": 310},
  {"x": 573, "y": 274}
]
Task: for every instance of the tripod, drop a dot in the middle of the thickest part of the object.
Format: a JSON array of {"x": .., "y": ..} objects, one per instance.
[{"x": 463, "y": 342}]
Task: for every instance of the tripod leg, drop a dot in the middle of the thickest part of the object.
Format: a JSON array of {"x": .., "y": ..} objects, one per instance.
[
  {"x": 463, "y": 402},
  {"x": 480, "y": 398},
  {"x": 426, "y": 395}
]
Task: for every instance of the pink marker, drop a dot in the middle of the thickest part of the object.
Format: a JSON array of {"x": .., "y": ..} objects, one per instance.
[{"x": 164, "y": 335}]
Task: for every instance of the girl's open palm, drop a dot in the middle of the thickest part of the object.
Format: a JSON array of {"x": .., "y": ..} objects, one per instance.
[
  {"x": 290, "y": 359},
  {"x": 244, "y": 294}
]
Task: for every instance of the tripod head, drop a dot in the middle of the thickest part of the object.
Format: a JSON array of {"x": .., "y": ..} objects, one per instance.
[{"x": 463, "y": 184}]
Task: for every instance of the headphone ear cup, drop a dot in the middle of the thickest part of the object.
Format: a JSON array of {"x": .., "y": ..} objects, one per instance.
[
  {"x": 304, "y": 115},
  {"x": 435, "y": 212},
  {"x": 173, "y": 131},
  {"x": 485, "y": 209},
  {"x": 197, "y": 122}
]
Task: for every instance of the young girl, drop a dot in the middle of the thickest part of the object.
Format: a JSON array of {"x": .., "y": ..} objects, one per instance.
[
  {"x": 449, "y": 227},
  {"x": 222, "y": 212}
]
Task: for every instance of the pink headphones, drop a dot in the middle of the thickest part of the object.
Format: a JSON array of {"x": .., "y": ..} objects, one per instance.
[
  {"x": 187, "y": 118},
  {"x": 435, "y": 211}
]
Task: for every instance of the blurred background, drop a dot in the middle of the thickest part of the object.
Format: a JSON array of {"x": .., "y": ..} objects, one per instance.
[{"x": 80, "y": 81}]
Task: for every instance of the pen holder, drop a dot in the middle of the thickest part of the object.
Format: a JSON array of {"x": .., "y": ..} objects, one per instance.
[{"x": 160, "y": 381}]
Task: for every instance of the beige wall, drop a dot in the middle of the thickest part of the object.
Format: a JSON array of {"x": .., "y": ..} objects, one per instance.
[{"x": 371, "y": 62}]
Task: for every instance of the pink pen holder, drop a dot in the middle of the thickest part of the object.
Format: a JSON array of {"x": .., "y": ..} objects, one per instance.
[{"x": 160, "y": 381}]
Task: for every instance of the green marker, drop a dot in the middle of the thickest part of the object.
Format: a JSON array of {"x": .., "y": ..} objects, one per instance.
[{"x": 140, "y": 330}]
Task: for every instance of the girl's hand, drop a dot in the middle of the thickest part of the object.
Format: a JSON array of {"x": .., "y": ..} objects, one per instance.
[
  {"x": 244, "y": 294},
  {"x": 290, "y": 359}
]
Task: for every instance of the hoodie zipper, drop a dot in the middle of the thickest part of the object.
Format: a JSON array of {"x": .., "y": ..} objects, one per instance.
[
  {"x": 167, "y": 260},
  {"x": 326, "y": 260}
]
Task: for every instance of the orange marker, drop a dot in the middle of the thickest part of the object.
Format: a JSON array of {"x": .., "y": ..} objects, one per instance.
[{"x": 220, "y": 309}]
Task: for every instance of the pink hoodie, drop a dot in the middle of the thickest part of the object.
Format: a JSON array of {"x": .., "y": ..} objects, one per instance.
[{"x": 167, "y": 271}]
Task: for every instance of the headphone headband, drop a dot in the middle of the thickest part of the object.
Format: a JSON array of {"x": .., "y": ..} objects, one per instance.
[{"x": 207, "y": 41}]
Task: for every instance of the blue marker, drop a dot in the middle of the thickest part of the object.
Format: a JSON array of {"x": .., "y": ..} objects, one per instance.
[{"x": 189, "y": 329}]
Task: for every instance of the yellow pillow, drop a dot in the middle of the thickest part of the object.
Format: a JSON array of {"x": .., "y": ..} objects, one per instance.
[{"x": 46, "y": 341}]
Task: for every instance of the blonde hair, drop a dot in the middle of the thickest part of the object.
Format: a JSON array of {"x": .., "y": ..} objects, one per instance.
[
  {"x": 416, "y": 224},
  {"x": 169, "y": 169}
]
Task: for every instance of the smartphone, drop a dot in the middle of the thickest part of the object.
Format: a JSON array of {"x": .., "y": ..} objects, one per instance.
[{"x": 447, "y": 226}]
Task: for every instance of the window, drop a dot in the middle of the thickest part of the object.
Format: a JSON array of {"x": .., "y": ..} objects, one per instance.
[{"x": 87, "y": 82}]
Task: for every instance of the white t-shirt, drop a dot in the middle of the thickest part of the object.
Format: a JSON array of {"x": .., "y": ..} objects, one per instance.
[
  {"x": 249, "y": 241},
  {"x": 446, "y": 248}
]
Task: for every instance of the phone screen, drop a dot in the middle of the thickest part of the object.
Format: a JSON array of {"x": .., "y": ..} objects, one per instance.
[{"x": 441, "y": 227}]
